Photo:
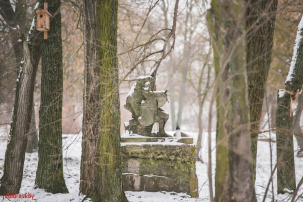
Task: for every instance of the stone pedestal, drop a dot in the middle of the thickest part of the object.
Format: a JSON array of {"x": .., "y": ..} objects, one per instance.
[{"x": 159, "y": 164}]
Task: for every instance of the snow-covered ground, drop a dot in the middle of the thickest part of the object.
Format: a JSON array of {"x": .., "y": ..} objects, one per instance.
[{"x": 72, "y": 156}]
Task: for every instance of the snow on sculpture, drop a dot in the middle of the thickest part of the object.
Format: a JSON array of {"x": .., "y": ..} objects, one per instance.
[{"x": 145, "y": 105}]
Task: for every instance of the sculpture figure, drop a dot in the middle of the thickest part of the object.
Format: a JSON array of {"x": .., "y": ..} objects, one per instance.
[{"x": 145, "y": 105}]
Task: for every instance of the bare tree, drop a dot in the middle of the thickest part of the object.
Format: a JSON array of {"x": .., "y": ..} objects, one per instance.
[
  {"x": 15, "y": 153},
  {"x": 20, "y": 125}
]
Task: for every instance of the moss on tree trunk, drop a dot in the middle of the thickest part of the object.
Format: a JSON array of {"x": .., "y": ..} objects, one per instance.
[
  {"x": 233, "y": 168},
  {"x": 101, "y": 177},
  {"x": 108, "y": 157},
  {"x": 49, "y": 174},
  {"x": 221, "y": 136}
]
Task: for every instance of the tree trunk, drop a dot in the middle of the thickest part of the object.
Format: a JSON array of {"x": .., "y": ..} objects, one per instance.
[
  {"x": 221, "y": 135},
  {"x": 233, "y": 169},
  {"x": 186, "y": 65},
  {"x": 294, "y": 78},
  {"x": 285, "y": 151},
  {"x": 171, "y": 93},
  {"x": 297, "y": 117},
  {"x": 16, "y": 21},
  {"x": 50, "y": 164},
  {"x": 260, "y": 24},
  {"x": 199, "y": 140},
  {"x": 296, "y": 126},
  {"x": 32, "y": 142},
  {"x": 201, "y": 104},
  {"x": 108, "y": 157},
  {"x": 15, "y": 152},
  {"x": 90, "y": 99},
  {"x": 286, "y": 178},
  {"x": 101, "y": 176},
  {"x": 171, "y": 69}
]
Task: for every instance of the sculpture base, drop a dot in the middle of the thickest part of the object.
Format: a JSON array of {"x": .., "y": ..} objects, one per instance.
[{"x": 159, "y": 164}]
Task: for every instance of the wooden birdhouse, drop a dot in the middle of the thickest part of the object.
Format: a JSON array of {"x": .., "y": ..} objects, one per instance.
[{"x": 43, "y": 20}]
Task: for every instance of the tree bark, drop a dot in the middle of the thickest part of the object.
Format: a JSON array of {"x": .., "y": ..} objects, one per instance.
[
  {"x": 108, "y": 157},
  {"x": 260, "y": 24},
  {"x": 286, "y": 178},
  {"x": 15, "y": 152},
  {"x": 101, "y": 177},
  {"x": 49, "y": 175},
  {"x": 285, "y": 151},
  {"x": 32, "y": 142},
  {"x": 294, "y": 78},
  {"x": 16, "y": 21},
  {"x": 90, "y": 99},
  {"x": 296, "y": 126},
  {"x": 233, "y": 169}
]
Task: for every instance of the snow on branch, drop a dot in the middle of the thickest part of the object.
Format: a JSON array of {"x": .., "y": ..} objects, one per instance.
[
  {"x": 299, "y": 36},
  {"x": 33, "y": 24}
]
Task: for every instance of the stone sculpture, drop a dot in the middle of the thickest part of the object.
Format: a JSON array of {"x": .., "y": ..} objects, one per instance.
[{"x": 145, "y": 103}]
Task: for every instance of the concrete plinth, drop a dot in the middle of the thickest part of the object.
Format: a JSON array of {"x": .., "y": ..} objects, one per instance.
[{"x": 159, "y": 166}]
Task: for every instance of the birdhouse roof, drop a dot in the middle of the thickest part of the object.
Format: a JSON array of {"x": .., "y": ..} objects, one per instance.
[{"x": 43, "y": 11}]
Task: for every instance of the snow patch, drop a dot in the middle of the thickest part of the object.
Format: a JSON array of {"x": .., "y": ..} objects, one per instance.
[
  {"x": 36, "y": 6},
  {"x": 123, "y": 144},
  {"x": 154, "y": 176},
  {"x": 132, "y": 90},
  {"x": 71, "y": 163},
  {"x": 144, "y": 77},
  {"x": 32, "y": 24},
  {"x": 281, "y": 93},
  {"x": 161, "y": 91},
  {"x": 295, "y": 53},
  {"x": 20, "y": 71}
]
